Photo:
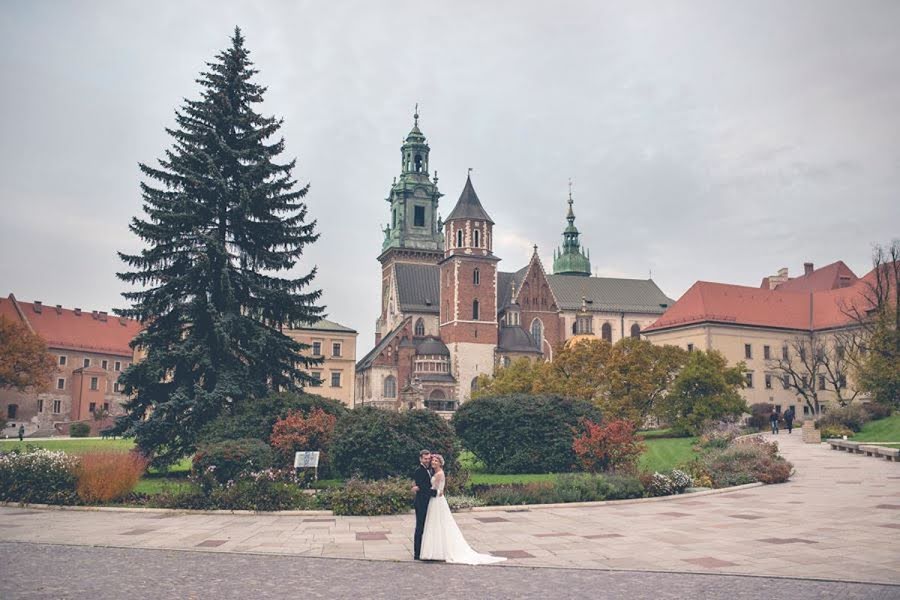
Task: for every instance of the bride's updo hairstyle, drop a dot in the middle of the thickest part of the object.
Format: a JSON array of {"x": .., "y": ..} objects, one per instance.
[{"x": 439, "y": 458}]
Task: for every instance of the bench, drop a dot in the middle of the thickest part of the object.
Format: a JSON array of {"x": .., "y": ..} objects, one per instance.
[
  {"x": 839, "y": 444},
  {"x": 892, "y": 454}
]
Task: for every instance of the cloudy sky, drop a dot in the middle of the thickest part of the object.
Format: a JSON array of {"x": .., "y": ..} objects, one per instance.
[{"x": 706, "y": 140}]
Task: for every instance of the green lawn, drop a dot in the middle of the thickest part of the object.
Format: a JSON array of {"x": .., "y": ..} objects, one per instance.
[
  {"x": 883, "y": 430},
  {"x": 667, "y": 453},
  {"x": 73, "y": 446}
]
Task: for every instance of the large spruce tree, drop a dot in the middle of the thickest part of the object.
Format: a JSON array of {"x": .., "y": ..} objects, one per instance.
[{"x": 223, "y": 219}]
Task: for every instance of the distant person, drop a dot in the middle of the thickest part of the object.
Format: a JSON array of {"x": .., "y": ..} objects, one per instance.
[
  {"x": 21, "y": 432},
  {"x": 773, "y": 419},
  {"x": 789, "y": 418}
]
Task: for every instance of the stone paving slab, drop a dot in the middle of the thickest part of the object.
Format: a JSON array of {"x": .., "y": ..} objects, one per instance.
[{"x": 810, "y": 527}]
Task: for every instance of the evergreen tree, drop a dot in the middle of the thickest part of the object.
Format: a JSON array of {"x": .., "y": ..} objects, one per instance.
[{"x": 223, "y": 218}]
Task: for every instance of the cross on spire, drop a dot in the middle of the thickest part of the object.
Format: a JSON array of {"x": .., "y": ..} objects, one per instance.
[{"x": 416, "y": 116}]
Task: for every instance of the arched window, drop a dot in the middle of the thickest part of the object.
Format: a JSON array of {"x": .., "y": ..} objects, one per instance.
[
  {"x": 476, "y": 276},
  {"x": 418, "y": 163},
  {"x": 476, "y": 238},
  {"x": 390, "y": 387},
  {"x": 635, "y": 331},
  {"x": 420, "y": 328},
  {"x": 474, "y": 310},
  {"x": 459, "y": 238},
  {"x": 606, "y": 332},
  {"x": 537, "y": 333}
]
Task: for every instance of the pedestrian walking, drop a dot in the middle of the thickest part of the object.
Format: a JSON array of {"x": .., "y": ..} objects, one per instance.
[
  {"x": 773, "y": 419},
  {"x": 21, "y": 432},
  {"x": 789, "y": 419}
]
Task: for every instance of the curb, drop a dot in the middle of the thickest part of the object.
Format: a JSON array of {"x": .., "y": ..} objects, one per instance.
[{"x": 328, "y": 513}]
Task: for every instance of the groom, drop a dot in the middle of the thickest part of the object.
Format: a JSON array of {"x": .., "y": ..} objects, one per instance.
[{"x": 424, "y": 493}]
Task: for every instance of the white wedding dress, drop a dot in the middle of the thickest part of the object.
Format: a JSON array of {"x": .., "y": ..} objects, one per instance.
[{"x": 442, "y": 539}]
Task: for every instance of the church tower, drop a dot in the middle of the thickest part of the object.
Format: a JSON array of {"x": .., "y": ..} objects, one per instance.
[
  {"x": 468, "y": 284},
  {"x": 571, "y": 260},
  {"x": 413, "y": 234}
]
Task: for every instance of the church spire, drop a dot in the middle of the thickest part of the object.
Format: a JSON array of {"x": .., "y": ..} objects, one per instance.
[{"x": 571, "y": 260}]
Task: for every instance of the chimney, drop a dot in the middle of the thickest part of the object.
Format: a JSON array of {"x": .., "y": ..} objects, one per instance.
[
  {"x": 807, "y": 268},
  {"x": 102, "y": 314},
  {"x": 77, "y": 312},
  {"x": 38, "y": 306},
  {"x": 122, "y": 321},
  {"x": 94, "y": 314},
  {"x": 59, "y": 309}
]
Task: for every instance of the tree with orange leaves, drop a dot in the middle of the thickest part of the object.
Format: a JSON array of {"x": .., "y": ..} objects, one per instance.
[{"x": 25, "y": 363}]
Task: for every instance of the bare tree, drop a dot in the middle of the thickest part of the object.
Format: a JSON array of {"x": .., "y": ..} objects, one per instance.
[{"x": 879, "y": 299}]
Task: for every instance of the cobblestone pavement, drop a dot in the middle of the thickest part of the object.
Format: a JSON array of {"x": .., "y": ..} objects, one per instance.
[
  {"x": 837, "y": 519},
  {"x": 114, "y": 573}
]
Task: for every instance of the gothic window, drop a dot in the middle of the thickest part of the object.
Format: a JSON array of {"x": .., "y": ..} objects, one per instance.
[
  {"x": 476, "y": 238},
  {"x": 606, "y": 332},
  {"x": 390, "y": 387},
  {"x": 459, "y": 238},
  {"x": 537, "y": 333},
  {"x": 635, "y": 330},
  {"x": 474, "y": 310},
  {"x": 420, "y": 328},
  {"x": 419, "y": 216},
  {"x": 476, "y": 276}
]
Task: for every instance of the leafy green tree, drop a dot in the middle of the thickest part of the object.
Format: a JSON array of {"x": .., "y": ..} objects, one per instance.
[
  {"x": 523, "y": 433},
  {"x": 878, "y": 319},
  {"x": 706, "y": 389},
  {"x": 222, "y": 219}
]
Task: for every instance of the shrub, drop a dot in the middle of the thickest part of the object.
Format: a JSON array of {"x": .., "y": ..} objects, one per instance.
[
  {"x": 38, "y": 476},
  {"x": 853, "y": 416},
  {"x": 718, "y": 435},
  {"x": 107, "y": 476},
  {"x": 572, "y": 487},
  {"x": 221, "y": 462},
  {"x": 79, "y": 430},
  {"x": 361, "y": 498},
  {"x": 262, "y": 491},
  {"x": 666, "y": 484},
  {"x": 373, "y": 444},
  {"x": 298, "y": 432},
  {"x": 522, "y": 433},
  {"x": 745, "y": 463},
  {"x": 610, "y": 446},
  {"x": 877, "y": 411},
  {"x": 834, "y": 431},
  {"x": 255, "y": 418},
  {"x": 759, "y": 415},
  {"x": 463, "y": 502}
]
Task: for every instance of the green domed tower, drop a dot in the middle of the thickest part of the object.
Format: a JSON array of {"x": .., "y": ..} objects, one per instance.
[{"x": 570, "y": 260}]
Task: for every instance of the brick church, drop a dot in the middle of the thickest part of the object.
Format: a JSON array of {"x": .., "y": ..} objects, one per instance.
[{"x": 449, "y": 314}]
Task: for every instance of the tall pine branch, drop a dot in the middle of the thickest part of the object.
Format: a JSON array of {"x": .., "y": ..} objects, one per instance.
[{"x": 223, "y": 219}]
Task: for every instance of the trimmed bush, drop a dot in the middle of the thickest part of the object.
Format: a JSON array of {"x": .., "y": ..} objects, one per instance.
[
  {"x": 573, "y": 487},
  {"x": 609, "y": 446},
  {"x": 221, "y": 462},
  {"x": 38, "y": 476},
  {"x": 362, "y": 498},
  {"x": 834, "y": 431},
  {"x": 108, "y": 476},
  {"x": 258, "y": 491},
  {"x": 370, "y": 443},
  {"x": 522, "y": 433},
  {"x": 745, "y": 463},
  {"x": 759, "y": 416},
  {"x": 852, "y": 416},
  {"x": 255, "y": 418},
  {"x": 79, "y": 430}
]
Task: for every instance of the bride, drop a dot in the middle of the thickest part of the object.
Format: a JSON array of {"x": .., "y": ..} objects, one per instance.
[{"x": 442, "y": 539}]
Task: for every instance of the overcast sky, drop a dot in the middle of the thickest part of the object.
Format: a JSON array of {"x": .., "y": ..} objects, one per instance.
[{"x": 706, "y": 140}]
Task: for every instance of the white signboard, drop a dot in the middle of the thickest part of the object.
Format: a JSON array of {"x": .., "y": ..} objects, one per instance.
[{"x": 306, "y": 460}]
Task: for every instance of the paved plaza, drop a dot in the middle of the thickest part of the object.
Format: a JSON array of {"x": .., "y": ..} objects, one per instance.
[{"x": 835, "y": 521}]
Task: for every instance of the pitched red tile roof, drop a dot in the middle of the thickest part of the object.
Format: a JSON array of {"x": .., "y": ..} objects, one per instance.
[
  {"x": 830, "y": 277},
  {"x": 707, "y": 302},
  {"x": 63, "y": 328}
]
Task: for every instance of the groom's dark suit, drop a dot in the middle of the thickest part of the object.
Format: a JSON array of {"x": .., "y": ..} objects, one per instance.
[{"x": 425, "y": 493}]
